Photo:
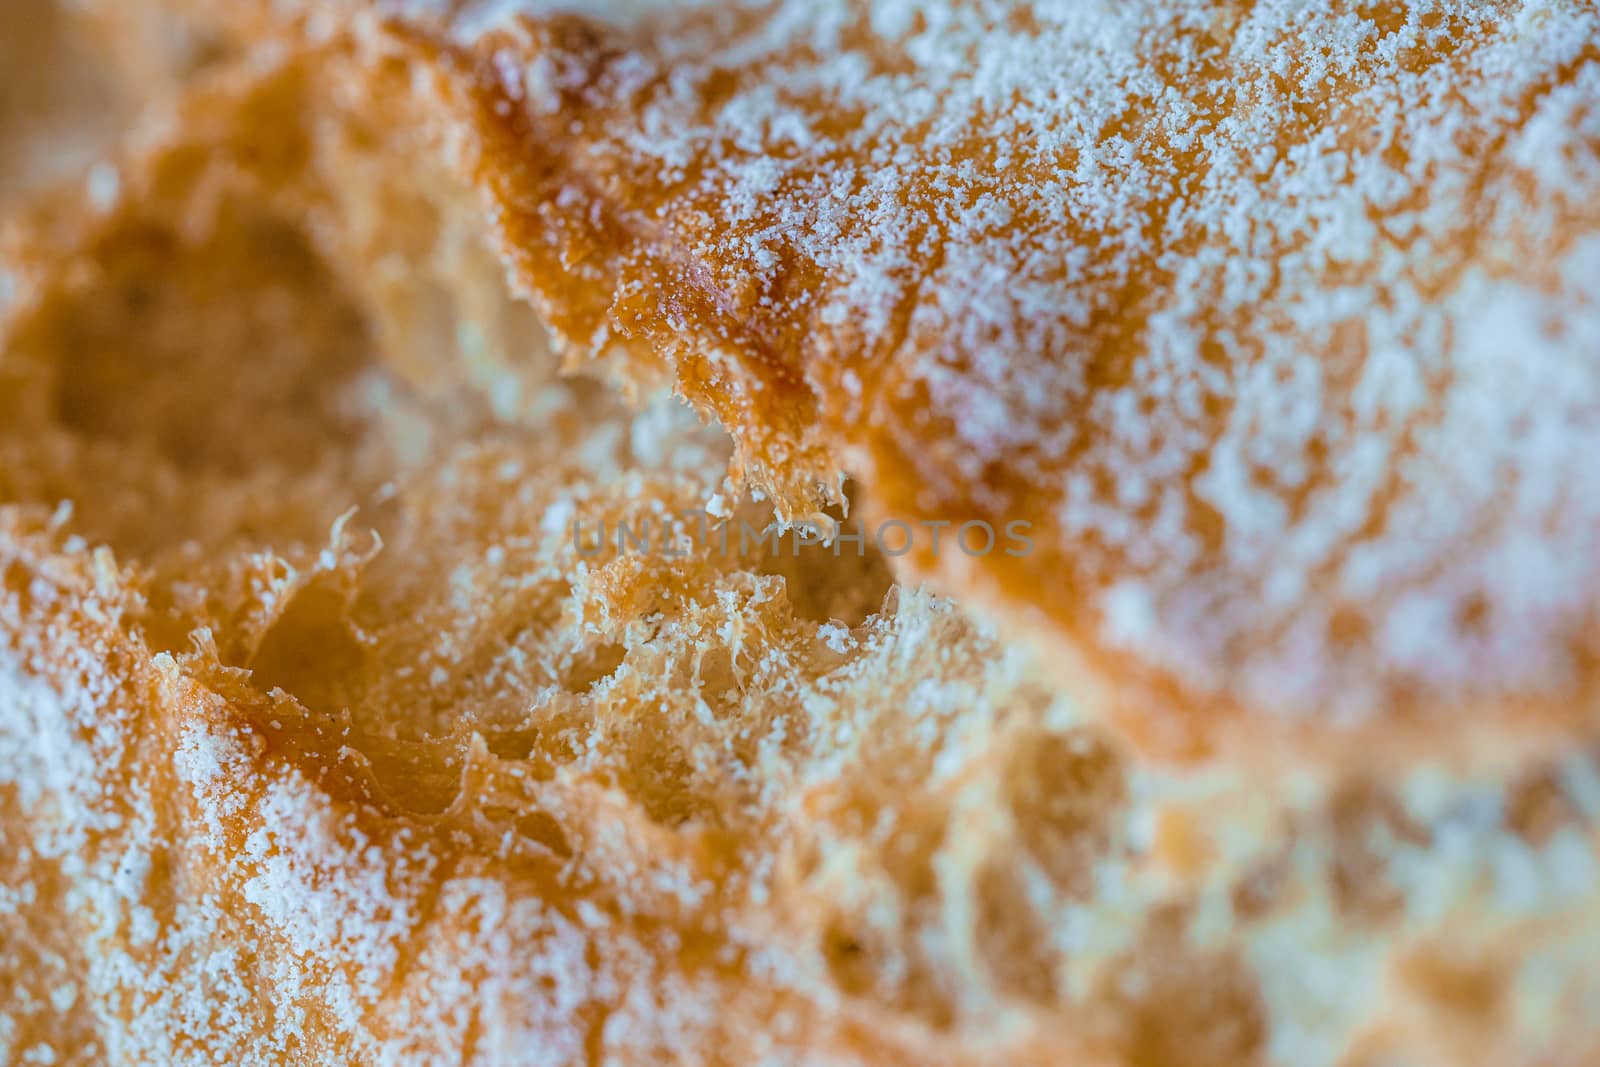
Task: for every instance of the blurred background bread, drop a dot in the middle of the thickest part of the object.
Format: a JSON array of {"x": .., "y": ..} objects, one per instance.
[{"x": 325, "y": 737}]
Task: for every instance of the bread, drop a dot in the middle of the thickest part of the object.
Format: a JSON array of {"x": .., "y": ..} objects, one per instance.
[{"x": 431, "y": 781}]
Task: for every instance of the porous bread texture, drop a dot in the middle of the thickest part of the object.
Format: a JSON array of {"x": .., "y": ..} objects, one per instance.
[{"x": 420, "y": 783}]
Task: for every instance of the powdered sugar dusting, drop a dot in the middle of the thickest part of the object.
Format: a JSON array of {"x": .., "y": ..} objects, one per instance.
[{"x": 310, "y": 917}]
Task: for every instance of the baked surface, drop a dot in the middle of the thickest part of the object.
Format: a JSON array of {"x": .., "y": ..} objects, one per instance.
[{"x": 425, "y": 783}]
